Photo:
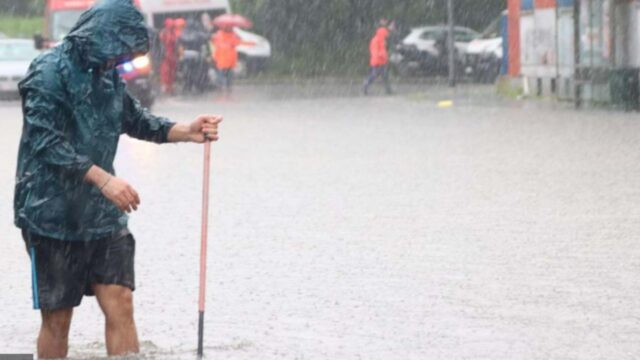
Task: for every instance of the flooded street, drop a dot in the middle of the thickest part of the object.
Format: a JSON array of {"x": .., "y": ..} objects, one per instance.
[{"x": 351, "y": 227}]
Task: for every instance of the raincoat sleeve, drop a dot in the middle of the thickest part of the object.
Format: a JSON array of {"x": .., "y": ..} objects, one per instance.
[
  {"x": 141, "y": 124},
  {"x": 45, "y": 122}
]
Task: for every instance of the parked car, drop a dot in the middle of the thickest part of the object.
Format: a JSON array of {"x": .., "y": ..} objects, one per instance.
[
  {"x": 424, "y": 50},
  {"x": 15, "y": 57},
  {"x": 252, "y": 58},
  {"x": 483, "y": 58}
]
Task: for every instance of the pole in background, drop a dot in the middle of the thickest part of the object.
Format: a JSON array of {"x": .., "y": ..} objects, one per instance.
[
  {"x": 451, "y": 45},
  {"x": 577, "y": 78},
  {"x": 203, "y": 244}
]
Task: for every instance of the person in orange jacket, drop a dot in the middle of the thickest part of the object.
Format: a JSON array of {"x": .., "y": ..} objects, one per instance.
[
  {"x": 180, "y": 24},
  {"x": 379, "y": 58},
  {"x": 169, "y": 39},
  {"x": 225, "y": 42}
]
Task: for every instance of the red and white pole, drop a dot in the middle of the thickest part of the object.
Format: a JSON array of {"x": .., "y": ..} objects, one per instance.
[{"x": 203, "y": 243}]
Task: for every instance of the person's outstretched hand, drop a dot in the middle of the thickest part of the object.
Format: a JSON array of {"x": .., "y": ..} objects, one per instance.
[{"x": 204, "y": 127}]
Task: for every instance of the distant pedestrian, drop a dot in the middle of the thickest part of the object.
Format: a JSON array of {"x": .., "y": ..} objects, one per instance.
[
  {"x": 442, "y": 47},
  {"x": 194, "y": 65},
  {"x": 225, "y": 55},
  {"x": 379, "y": 58},
  {"x": 180, "y": 24},
  {"x": 169, "y": 39},
  {"x": 205, "y": 19}
]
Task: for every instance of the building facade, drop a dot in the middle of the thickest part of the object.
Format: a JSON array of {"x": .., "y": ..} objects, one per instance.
[{"x": 544, "y": 35}]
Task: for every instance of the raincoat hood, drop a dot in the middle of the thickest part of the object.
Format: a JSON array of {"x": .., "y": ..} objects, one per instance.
[{"x": 111, "y": 30}]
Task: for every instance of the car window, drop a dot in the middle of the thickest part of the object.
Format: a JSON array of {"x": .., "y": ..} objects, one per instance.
[
  {"x": 464, "y": 36},
  {"x": 430, "y": 35},
  {"x": 22, "y": 51}
]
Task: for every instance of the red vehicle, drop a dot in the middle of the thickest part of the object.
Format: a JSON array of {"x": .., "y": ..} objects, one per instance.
[{"x": 62, "y": 15}]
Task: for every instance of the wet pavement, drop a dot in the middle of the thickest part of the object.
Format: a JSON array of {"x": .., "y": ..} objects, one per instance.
[{"x": 345, "y": 227}]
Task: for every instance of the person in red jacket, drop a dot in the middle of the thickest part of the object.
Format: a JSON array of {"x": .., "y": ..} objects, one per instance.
[
  {"x": 169, "y": 38},
  {"x": 179, "y": 24},
  {"x": 379, "y": 58},
  {"x": 225, "y": 42}
]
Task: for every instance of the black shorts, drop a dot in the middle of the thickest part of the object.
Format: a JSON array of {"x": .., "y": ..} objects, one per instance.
[{"x": 64, "y": 271}]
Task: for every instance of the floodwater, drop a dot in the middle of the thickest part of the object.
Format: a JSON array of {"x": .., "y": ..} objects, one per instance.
[{"x": 345, "y": 227}]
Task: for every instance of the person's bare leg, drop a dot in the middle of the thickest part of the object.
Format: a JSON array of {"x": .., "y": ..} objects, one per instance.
[
  {"x": 53, "y": 341},
  {"x": 116, "y": 303}
]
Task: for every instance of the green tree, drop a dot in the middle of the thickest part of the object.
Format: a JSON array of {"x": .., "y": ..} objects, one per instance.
[{"x": 21, "y": 7}]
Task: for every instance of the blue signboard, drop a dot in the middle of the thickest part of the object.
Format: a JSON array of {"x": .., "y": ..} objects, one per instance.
[
  {"x": 526, "y": 5},
  {"x": 504, "y": 29}
]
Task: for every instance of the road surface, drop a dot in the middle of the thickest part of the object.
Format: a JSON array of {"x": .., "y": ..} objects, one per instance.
[{"x": 345, "y": 227}]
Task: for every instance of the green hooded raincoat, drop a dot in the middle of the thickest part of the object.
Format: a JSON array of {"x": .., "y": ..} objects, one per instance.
[{"x": 74, "y": 113}]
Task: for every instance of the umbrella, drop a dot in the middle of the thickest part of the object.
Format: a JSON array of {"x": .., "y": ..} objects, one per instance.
[{"x": 232, "y": 20}]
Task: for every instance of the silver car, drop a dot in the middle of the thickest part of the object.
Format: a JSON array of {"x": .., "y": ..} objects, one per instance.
[
  {"x": 421, "y": 50},
  {"x": 15, "y": 57}
]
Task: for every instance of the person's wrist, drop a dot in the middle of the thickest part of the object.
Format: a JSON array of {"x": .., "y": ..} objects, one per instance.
[
  {"x": 106, "y": 182},
  {"x": 190, "y": 135},
  {"x": 180, "y": 133},
  {"x": 97, "y": 176}
]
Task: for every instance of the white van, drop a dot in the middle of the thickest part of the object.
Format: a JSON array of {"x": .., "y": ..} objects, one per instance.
[
  {"x": 157, "y": 10},
  {"x": 251, "y": 58}
]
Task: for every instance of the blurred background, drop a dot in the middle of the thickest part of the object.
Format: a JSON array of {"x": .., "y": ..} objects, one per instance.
[{"x": 286, "y": 38}]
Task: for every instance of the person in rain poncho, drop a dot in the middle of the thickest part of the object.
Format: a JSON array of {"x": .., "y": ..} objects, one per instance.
[
  {"x": 225, "y": 42},
  {"x": 169, "y": 39},
  {"x": 68, "y": 202},
  {"x": 379, "y": 58}
]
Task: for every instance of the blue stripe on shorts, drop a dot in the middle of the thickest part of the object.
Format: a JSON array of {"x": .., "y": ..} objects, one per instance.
[{"x": 34, "y": 280}]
